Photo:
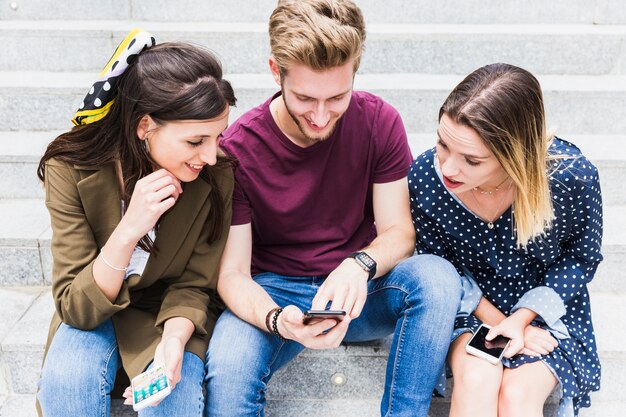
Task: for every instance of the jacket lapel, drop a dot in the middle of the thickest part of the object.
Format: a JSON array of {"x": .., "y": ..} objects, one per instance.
[
  {"x": 175, "y": 226},
  {"x": 104, "y": 215}
]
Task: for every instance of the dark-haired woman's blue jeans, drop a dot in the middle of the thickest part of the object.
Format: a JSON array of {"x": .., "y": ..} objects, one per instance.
[
  {"x": 79, "y": 372},
  {"x": 416, "y": 302}
]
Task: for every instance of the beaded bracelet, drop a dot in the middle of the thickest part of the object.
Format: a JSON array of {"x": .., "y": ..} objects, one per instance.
[
  {"x": 274, "y": 313},
  {"x": 268, "y": 317},
  {"x": 107, "y": 263}
]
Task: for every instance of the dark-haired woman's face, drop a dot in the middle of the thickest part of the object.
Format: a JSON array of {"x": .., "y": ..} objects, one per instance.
[
  {"x": 464, "y": 159},
  {"x": 185, "y": 147}
]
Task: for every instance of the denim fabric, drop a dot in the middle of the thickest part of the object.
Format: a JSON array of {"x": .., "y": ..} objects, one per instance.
[
  {"x": 79, "y": 372},
  {"x": 416, "y": 302}
]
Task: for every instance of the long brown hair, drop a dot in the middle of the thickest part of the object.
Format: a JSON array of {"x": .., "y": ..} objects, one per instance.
[
  {"x": 171, "y": 81},
  {"x": 504, "y": 105}
]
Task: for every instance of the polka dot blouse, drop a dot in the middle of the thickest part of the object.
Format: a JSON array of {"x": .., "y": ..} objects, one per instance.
[{"x": 549, "y": 277}]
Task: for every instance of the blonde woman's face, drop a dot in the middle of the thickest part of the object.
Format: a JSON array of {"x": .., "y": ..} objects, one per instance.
[{"x": 464, "y": 160}]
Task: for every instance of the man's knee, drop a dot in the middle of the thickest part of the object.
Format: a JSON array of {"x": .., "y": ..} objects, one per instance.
[
  {"x": 236, "y": 350},
  {"x": 433, "y": 277}
]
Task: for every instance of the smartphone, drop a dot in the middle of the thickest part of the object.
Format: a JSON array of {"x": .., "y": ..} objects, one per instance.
[
  {"x": 492, "y": 350},
  {"x": 149, "y": 387},
  {"x": 318, "y": 315}
]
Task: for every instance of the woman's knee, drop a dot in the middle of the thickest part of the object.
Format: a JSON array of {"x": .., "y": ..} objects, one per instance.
[
  {"x": 473, "y": 377},
  {"x": 525, "y": 389},
  {"x": 79, "y": 362},
  {"x": 187, "y": 397}
]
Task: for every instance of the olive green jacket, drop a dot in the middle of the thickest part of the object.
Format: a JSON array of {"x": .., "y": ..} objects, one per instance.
[{"x": 180, "y": 280}]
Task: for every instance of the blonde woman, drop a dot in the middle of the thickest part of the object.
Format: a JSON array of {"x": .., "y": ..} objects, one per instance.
[{"x": 519, "y": 213}]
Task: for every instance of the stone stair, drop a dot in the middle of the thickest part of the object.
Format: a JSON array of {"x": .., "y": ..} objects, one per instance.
[{"x": 416, "y": 51}]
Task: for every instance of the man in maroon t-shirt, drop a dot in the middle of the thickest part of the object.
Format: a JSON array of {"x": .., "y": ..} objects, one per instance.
[{"x": 321, "y": 220}]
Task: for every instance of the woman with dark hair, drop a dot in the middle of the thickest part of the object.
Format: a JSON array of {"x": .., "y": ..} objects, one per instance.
[
  {"x": 139, "y": 199},
  {"x": 519, "y": 213}
]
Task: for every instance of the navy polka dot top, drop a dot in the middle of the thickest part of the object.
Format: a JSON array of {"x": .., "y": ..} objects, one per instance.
[{"x": 549, "y": 277}]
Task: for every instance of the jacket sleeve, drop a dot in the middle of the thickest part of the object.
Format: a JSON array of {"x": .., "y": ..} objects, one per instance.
[
  {"x": 190, "y": 294},
  {"x": 78, "y": 300}
]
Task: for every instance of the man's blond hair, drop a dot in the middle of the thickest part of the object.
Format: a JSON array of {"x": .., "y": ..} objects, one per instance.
[{"x": 320, "y": 34}]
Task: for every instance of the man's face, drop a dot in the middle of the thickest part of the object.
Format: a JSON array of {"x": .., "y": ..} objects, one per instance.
[{"x": 316, "y": 100}]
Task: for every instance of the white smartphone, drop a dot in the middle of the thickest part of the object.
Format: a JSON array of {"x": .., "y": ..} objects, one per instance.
[
  {"x": 492, "y": 351},
  {"x": 150, "y": 387}
]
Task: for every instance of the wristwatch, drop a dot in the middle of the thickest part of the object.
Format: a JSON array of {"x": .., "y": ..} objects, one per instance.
[{"x": 366, "y": 262}]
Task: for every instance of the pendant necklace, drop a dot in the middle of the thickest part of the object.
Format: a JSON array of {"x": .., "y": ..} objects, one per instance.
[{"x": 493, "y": 218}]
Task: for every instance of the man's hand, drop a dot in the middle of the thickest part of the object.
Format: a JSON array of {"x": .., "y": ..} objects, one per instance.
[
  {"x": 324, "y": 334},
  {"x": 346, "y": 287}
]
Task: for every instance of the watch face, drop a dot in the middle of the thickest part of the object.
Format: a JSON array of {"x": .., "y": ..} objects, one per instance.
[{"x": 366, "y": 260}]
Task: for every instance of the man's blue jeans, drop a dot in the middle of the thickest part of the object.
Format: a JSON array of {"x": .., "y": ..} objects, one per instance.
[
  {"x": 79, "y": 372},
  {"x": 416, "y": 302}
]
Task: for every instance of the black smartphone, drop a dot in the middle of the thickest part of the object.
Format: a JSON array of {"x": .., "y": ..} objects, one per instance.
[
  {"x": 318, "y": 315},
  {"x": 491, "y": 350}
]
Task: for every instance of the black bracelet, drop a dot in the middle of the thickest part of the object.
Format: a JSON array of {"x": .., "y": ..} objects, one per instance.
[
  {"x": 268, "y": 317},
  {"x": 275, "y": 325}
]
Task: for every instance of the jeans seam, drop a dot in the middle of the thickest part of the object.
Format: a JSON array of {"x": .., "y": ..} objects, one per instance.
[
  {"x": 267, "y": 374},
  {"x": 395, "y": 368},
  {"x": 389, "y": 287},
  {"x": 103, "y": 394}
]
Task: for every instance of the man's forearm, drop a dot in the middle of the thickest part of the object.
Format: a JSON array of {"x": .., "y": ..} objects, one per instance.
[
  {"x": 390, "y": 247},
  {"x": 245, "y": 298}
]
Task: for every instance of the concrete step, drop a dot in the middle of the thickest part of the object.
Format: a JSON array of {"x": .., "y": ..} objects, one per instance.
[
  {"x": 362, "y": 365},
  {"x": 375, "y": 11},
  {"x": 20, "y": 152},
  {"x": 23, "y": 406},
  {"x": 580, "y": 104},
  {"x": 390, "y": 48},
  {"x": 25, "y": 257}
]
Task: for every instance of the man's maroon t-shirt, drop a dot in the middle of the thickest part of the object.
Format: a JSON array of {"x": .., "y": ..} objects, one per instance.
[{"x": 309, "y": 208}]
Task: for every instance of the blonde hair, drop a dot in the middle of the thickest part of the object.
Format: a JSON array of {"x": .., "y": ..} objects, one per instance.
[
  {"x": 504, "y": 105},
  {"x": 320, "y": 34}
]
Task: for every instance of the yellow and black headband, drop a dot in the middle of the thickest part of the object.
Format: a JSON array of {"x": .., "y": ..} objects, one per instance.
[{"x": 100, "y": 97}]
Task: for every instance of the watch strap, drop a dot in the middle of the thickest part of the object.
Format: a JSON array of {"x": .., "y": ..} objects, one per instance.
[{"x": 371, "y": 271}]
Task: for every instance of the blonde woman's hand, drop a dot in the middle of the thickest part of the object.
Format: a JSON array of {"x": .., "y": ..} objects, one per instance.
[
  {"x": 512, "y": 328},
  {"x": 538, "y": 341}
]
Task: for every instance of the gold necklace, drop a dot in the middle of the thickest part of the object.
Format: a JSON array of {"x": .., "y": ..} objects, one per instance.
[
  {"x": 493, "y": 217},
  {"x": 483, "y": 192}
]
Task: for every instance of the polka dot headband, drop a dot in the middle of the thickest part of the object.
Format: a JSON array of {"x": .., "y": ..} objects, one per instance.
[{"x": 100, "y": 97}]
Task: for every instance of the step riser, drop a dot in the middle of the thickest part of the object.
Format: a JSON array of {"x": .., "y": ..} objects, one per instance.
[
  {"x": 247, "y": 52},
  {"x": 19, "y": 179},
  {"x": 305, "y": 382},
  {"x": 31, "y": 265},
  {"x": 308, "y": 377},
  {"x": 583, "y": 112},
  {"x": 23, "y": 406},
  {"x": 393, "y": 11}
]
